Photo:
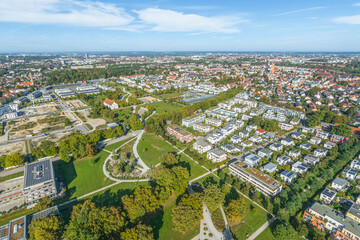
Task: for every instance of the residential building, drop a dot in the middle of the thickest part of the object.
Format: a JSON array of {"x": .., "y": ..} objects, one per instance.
[
  {"x": 246, "y": 144},
  {"x": 196, "y": 118},
  {"x": 337, "y": 139},
  {"x": 320, "y": 152},
  {"x": 294, "y": 153},
  {"x": 283, "y": 160},
  {"x": 322, "y": 134},
  {"x": 277, "y": 147},
  {"x": 39, "y": 181},
  {"x": 230, "y": 148},
  {"x": 265, "y": 153},
  {"x": 286, "y": 126},
  {"x": 329, "y": 145},
  {"x": 244, "y": 134},
  {"x": 202, "y": 127},
  {"x": 327, "y": 195},
  {"x": 263, "y": 182},
  {"x": 354, "y": 212},
  {"x": 252, "y": 159},
  {"x": 111, "y": 104},
  {"x": 311, "y": 159},
  {"x": 216, "y": 155},
  {"x": 305, "y": 146},
  {"x": 297, "y": 135},
  {"x": 179, "y": 133},
  {"x": 315, "y": 140},
  {"x": 201, "y": 146},
  {"x": 269, "y": 167},
  {"x": 287, "y": 176},
  {"x": 339, "y": 184},
  {"x": 349, "y": 174},
  {"x": 249, "y": 128},
  {"x": 324, "y": 217},
  {"x": 255, "y": 139},
  {"x": 355, "y": 164},
  {"x": 213, "y": 121},
  {"x": 287, "y": 142},
  {"x": 235, "y": 139},
  {"x": 300, "y": 167}
]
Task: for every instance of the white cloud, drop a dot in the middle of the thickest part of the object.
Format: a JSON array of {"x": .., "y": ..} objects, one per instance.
[
  {"x": 69, "y": 12},
  {"x": 355, "y": 19},
  {"x": 171, "y": 21},
  {"x": 298, "y": 11},
  {"x": 357, "y": 4}
]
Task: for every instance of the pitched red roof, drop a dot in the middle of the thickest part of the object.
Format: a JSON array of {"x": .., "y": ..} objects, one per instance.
[{"x": 109, "y": 102}]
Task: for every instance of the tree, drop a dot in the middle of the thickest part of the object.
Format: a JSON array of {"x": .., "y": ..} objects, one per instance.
[
  {"x": 236, "y": 209},
  {"x": 48, "y": 148},
  {"x": 169, "y": 158},
  {"x": 184, "y": 218},
  {"x": 43, "y": 204},
  {"x": 67, "y": 122},
  {"x": 174, "y": 180},
  {"x": 342, "y": 130},
  {"x": 213, "y": 197},
  {"x": 285, "y": 232},
  {"x": 313, "y": 121},
  {"x": 89, "y": 222},
  {"x": 135, "y": 122},
  {"x": 140, "y": 232},
  {"x": 63, "y": 154},
  {"x": 46, "y": 228},
  {"x": 13, "y": 159}
]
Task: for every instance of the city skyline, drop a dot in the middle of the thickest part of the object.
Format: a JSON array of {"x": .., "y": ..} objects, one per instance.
[{"x": 63, "y": 26}]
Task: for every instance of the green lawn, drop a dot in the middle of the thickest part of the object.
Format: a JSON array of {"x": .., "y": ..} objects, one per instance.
[
  {"x": 195, "y": 169},
  {"x": 15, "y": 175},
  {"x": 82, "y": 176},
  {"x": 171, "y": 95},
  {"x": 162, "y": 224},
  {"x": 155, "y": 147},
  {"x": 162, "y": 107},
  {"x": 116, "y": 145},
  {"x": 266, "y": 235}
]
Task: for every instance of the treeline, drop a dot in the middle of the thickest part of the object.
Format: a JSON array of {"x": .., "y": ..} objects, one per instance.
[
  {"x": 266, "y": 124},
  {"x": 126, "y": 221},
  {"x": 68, "y": 76},
  {"x": 316, "y": 118},
  {"x": 10, "y": 160}
]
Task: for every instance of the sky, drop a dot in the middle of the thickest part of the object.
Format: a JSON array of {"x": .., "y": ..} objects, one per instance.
[{"x": 186, "y": 25}]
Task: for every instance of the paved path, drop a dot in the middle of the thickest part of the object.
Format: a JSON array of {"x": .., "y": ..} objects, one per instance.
[
  {"x": 106, "y": 173},
  {"x": 261, "y": 229},
  {"x": 207, "y": 222},
  {"x": 136, "y": 154},
  {"x": 5, "y": 173},
  {"x": 102, "y": 189},
  {"x": 227, "y": 231}
]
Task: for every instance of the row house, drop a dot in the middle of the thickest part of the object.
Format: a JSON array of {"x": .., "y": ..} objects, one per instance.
[
  {"x": 202, "y": 127},
  {"x": 324, "y": 217},
  {"x": 213, "y": 121},
  {"x": 196, "y": 118},
  {"x": 179, "y": 133}
]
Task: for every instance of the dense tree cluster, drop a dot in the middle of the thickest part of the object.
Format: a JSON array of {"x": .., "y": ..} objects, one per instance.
[
  {"x": 342, "y": 130},
  {"x": 316, "y": 118},
  {"x": 10, "y": 160},
  {"x": 45, "y": 149},
  {"x": 46, "y": 228},
  {"x": 267, "y": 124}
]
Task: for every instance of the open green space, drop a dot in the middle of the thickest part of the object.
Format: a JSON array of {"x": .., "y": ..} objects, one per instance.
[
  {"x": 195, "y": 169},
  {"x": 266, "y": 235},
  {"x": 114, "y": 146},
  {"x": 162, "y": 106},
  {"x": 151, "y": 147},
  {"x": 161, "y": 222},
  {"x": 15, "y": 175},
  {"x": 82, "y": 176},
  {"x": 124, "y": 112}
]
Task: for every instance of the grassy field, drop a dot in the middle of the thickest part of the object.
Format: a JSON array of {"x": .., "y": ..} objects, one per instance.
[
  {"x": 82, "y": 176},
  {"x": 116, "y": 145},
  {"x": 162, "y": 107},
  {"x": 15, "y": 175},
  {"x": 155, "y": 147},
  {"x": 266, "y": 235},
  {"x": 162, "y": 224},
  {"x": 195, "y": 169}
]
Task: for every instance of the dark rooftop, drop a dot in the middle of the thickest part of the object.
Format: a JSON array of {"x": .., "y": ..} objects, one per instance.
[{"x": 38, "y": 172}]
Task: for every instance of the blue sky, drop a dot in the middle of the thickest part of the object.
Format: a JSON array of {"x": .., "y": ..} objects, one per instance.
[{"x": 163, "y": 25}]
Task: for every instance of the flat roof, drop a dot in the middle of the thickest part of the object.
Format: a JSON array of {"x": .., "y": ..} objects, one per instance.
[
  {"x": 38, "y": 172},
  {"x": 269, "y": 181}
]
